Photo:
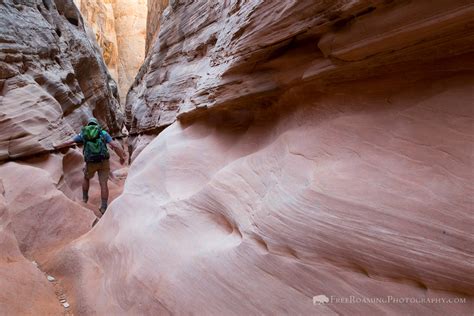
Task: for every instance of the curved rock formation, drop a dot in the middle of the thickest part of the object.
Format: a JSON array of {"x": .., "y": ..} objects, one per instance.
[
  {"x": 354, "y": 193},
  {"x": 24, "y": 289},
  {"x": 40, "y": 213},
  {"x": 312, "y": 148},
  {"x": 52, "y": 78}
]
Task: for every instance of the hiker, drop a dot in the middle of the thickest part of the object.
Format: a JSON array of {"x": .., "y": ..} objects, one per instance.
[{"x": 96, "y": 156}]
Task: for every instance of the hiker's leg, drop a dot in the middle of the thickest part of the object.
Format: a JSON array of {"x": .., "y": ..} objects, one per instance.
[
  {"x": 104, "y": 188},
  {"x": 104, "y": 191},
  {"x": 85, "y": 184},
  {"x": 85, "y": 190}
]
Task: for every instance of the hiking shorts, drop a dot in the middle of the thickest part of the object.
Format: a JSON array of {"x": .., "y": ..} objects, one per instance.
[{"x": 102, "y": 168}]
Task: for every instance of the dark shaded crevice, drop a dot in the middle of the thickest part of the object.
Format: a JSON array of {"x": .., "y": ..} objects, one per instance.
[
  {"x": 73, "y": 21},
  {"x": 366, "y": 11},
  {"x": 47, "y": 4}
]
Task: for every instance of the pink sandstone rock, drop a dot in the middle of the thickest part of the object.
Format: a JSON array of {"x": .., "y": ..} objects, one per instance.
[
  {"x": 52, "y": 78},
  {"x": 308, "y": 151},
  {"x": 247, "y": 53},
  {"x": 351, "y": 192},
  {"x": 42, "y": 217},
  {"x": 153, "y": 21},
  {"x": 40, "y": 212},
  {"x": 24, "y": 289},
  {"x": 314, "y": 148}
]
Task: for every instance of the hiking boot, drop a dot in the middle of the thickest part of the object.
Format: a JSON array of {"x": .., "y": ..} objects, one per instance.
[
  {"x": 95, "y": 221},
  {"x": 85, "y": 197}
]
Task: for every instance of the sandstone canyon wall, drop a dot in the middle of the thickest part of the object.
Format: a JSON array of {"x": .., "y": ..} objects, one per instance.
[
  {"x": 309, "y": 148},
  {"x": 120, "y": 29},
  {"x": 52, "y": 78},
  {"x": 130, "y": 23},
  {"x": 153, "y": 22}
]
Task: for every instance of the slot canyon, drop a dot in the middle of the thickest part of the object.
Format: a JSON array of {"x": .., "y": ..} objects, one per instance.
[{"x": 283, "y": 157}]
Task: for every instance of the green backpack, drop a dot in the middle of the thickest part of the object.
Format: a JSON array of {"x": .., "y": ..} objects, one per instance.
[{"x": 95, "y": 146}]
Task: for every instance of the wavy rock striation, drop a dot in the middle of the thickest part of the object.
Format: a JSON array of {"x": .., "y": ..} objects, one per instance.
[
  {"x": 153, "y": 22},
  {"x": 52, "y": 77},
  {"x": 310, "y": 148},
  {"x": 241, "y": 53}
]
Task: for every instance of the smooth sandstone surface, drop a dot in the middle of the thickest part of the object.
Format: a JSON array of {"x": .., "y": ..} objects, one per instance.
[
  {"x": 52, "y": 78},
  {"x": 350, "y": 193},
  {"x": 24, "y": 289},
  {"x": 41, "y": 211},
  {"x": 43, "y": 218},
  {"x": 309, "y": 148}
]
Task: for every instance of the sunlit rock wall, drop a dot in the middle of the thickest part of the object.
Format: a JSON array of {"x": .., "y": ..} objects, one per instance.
[
  {"x": 130, "y": 27},
  {"x": 120, "y": 29},
  {"x": 99, "y": 16}
]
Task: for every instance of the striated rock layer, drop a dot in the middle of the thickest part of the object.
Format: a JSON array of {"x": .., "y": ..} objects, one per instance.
[
  {"x": 312, "y": 148},
  {"x": 242, "y": 53},
  {"x": 153, "y": 22},
  {"x": 52, "y": 78}
]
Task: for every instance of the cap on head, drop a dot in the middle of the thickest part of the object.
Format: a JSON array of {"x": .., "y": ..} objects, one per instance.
[{"x": 93, "y": 121}]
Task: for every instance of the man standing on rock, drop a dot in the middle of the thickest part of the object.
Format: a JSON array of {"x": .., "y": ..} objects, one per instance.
[{"x": 96, "y": 156}]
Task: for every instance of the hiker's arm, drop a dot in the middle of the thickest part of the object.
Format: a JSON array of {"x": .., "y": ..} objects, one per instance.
[
  {"x": 69, "y": 143},
  {"x": 118, "y": 150},
  {"x": 76, "y": 139}
]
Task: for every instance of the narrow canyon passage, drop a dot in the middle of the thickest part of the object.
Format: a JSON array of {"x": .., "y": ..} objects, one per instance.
[{"x": 285, "y": 157}]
